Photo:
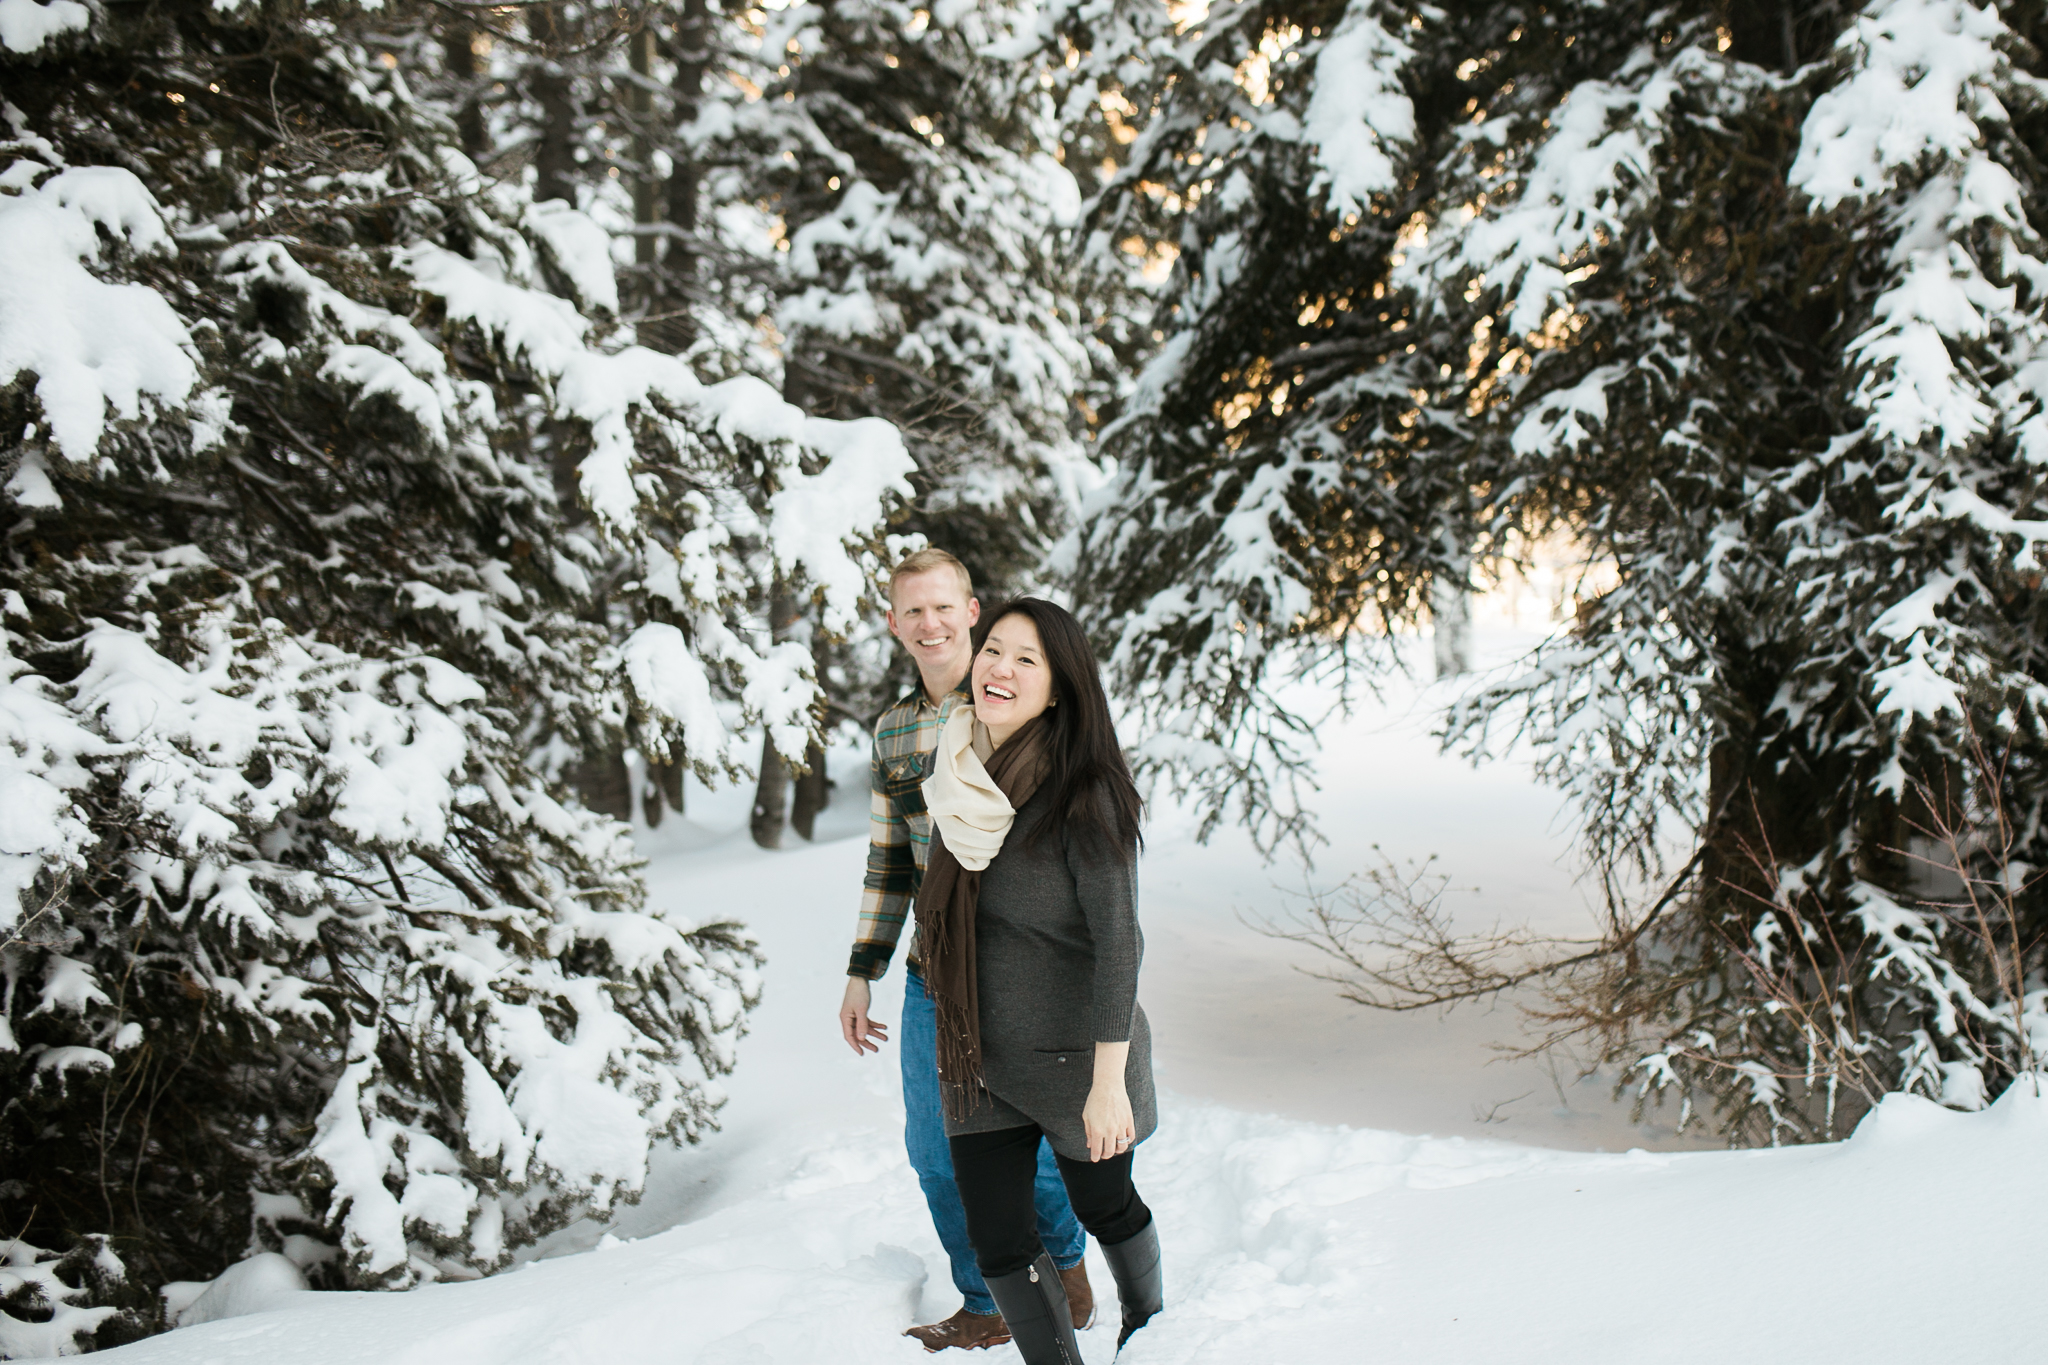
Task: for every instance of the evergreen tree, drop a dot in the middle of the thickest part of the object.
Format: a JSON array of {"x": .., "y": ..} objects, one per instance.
[
  {"x": 923, "y": 206},
  {"x": 302, "y": 947},
  {"x": 1750, "y": 300},
  {"x": 863, "y": 204},
  {"x": 1786, "y": 280},
  {"x": 1295, "y": 462},
  {"x": 912, "y": 181},
  {"x": 563, "y": 94}
]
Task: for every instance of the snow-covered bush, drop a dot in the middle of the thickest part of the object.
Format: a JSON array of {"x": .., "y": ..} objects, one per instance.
[
  {"x": 1751, "y": 303},
  {"x": 48, "y": 1300},
  {"x": 301, "y": 945}
]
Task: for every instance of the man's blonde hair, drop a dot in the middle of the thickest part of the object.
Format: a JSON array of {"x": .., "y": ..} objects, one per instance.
[{"x": 924, "y": 561}]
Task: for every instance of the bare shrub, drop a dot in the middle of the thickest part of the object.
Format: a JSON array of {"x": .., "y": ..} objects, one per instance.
[{"x": 1787, "y": 1014}]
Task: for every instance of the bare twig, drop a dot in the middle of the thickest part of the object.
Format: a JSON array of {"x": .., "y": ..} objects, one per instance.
[
  {"x": 1493, "y": 1114},
  {"x": 1422, "y": 960}
]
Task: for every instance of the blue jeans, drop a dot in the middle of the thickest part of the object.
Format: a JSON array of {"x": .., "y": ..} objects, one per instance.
[{"x": 924, "y": 1134}]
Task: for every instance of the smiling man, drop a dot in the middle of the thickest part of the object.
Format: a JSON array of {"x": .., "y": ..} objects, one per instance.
[{"x": 932, "y": 612}]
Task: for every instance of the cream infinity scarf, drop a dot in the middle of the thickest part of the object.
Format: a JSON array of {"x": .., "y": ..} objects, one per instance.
[{"x": 969, "y": 809}]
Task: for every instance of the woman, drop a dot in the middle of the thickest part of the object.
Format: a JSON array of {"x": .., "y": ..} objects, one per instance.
[{"x": 1028, "y": 912}]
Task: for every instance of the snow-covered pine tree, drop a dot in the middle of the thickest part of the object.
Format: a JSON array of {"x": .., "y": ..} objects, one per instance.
[
  {"x": 1297, "y": 459},
  {"x": 598, "y": 106},
  {"x": 1776, "y": 288},
  {"x": 299, "y": 947},
  {"x": 909, "y": 184},
  {"x": 925, "y": 291},
  {"x": 619, "y": 111},
  {"x": 551, "y": 92},
  {"x": 922, "y": 208},
  {"x": 1751, "y": 300}
]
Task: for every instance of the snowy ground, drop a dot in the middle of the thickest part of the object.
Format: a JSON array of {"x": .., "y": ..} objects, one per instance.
[{"x": 797, "y": 1234}]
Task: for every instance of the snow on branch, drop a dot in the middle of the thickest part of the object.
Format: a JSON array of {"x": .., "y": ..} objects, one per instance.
[
  {"x": 817, "y": 517},
  {"x": 92, "y": 345},
  {"x": 26, "y": 25},
  {"x": 42, "y": 748},
  {"x": 1918, "y": 87},
  {"x": 1918, "y": 117},
  {"x": 1578, "y": 188},
  {"x": 1358, "y": 109}
]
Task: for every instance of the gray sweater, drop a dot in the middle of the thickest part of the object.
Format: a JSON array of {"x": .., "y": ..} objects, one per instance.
[{"x": 1057, "y": 948}]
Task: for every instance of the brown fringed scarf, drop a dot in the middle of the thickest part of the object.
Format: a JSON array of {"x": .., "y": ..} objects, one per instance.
[{"x": 946, "y": 904}]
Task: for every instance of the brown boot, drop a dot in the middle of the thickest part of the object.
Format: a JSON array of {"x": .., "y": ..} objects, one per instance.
[
  {"x": 1080, "y": 1297},
  {"x": 968, "y": 1331}
]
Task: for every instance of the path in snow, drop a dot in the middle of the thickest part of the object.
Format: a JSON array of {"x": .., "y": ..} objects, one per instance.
[{"x": 798, "y": 1234}]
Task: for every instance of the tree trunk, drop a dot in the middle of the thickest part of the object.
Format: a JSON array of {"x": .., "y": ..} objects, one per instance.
[
  {"x": 667, "y": 326},
  {"x": 554, "y": 159},
  {"x": 605, "y": 783},
  {"x": 601, "y": 779},
  {"x": 1450, "y": 607},
  {"x": 771, "y": 796},
  {"x": 646, "y": 188},
  {"x": 663, "y": 792},
  {"x": 812, "y": 792},
  {"x": 459, "y": 45},
  {"x": 691, "y": 51},
  {"x": 771, "y": 792},
  {"x": 1771, "y": 807}
]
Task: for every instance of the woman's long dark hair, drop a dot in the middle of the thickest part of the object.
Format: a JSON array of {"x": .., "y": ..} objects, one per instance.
[{"x": 1081, "y": 743}]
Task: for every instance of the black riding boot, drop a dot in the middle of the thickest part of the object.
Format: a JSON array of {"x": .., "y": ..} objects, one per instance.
[
  {"x": 1035, "y": 1309},
  {"x": 1135, "y": 1263}
]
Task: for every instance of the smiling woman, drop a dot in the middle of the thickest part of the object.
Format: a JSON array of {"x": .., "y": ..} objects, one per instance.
[
  {"x": 1012, "y": 683},
  {"x": 1031, "y": 643},
  {"x": 1028, "y": 923}
]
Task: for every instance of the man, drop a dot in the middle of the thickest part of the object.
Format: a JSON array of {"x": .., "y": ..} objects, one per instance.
[{"x": 932, "y": 611}]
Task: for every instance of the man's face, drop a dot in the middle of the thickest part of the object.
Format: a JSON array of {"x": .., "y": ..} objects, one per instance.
[{"x": 932, "y": 614}]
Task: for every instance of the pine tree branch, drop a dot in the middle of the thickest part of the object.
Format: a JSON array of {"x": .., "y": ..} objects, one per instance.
[
  {"x": 894, "y": 366},
  {"x": 455, "y": 877}
]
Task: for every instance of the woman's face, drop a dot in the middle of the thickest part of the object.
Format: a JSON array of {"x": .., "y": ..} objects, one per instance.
[{"x": 1012, "y": 680}]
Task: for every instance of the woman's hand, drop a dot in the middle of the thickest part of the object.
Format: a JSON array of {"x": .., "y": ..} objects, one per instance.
[{"x": 1106, "y": 1117}]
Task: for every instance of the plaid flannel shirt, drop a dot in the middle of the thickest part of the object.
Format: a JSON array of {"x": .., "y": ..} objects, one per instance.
[{"x": 900, "y": 829}]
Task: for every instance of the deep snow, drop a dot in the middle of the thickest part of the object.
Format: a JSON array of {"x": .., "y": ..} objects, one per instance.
[{"x": 798, "y": 1234}]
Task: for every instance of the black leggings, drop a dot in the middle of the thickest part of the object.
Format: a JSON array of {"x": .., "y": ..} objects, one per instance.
[{"x": 995, "y": 1172}]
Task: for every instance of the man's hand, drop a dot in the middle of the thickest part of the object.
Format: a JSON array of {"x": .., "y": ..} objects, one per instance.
[{"x": 861, "y": 1033}]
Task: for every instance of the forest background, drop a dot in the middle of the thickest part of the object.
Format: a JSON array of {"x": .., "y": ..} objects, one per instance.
[{"x": 420, "y": 419}]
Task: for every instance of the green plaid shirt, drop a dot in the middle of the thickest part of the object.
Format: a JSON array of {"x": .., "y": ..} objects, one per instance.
[{"x": 900, "y": 830}]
